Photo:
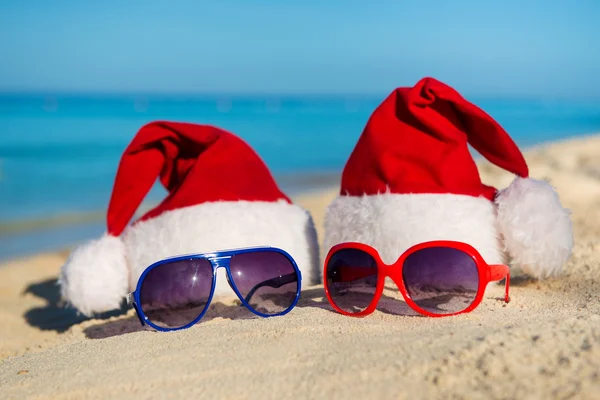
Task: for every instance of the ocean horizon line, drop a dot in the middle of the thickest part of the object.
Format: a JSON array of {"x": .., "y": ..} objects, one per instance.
[
  {"x": 199, "y": 95},
  {"x": 178, "y": 95}
]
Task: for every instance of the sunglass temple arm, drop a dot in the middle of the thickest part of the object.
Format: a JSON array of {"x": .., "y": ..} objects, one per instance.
[
  {"x": 131, "y": 302},
  {"x": 499, "y": 272}
]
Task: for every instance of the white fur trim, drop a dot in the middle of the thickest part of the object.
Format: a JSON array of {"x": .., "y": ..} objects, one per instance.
[
  {"x": 392, "y": 223},
  {"x": 224, "y": 225},
  {"x": 94, "y": 278},
  {"x": 536, "y": 228}
]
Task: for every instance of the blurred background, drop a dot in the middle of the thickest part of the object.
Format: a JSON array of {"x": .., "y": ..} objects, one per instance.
[{"x": 296, "y": 79}]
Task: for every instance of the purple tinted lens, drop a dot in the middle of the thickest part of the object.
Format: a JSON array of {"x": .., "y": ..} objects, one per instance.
[
  {"x": 267, "y": 280},
  {"x": 441, "y": 280},
  {"x": 174, "y": 294},
  {"x": 351, "y": 279}
]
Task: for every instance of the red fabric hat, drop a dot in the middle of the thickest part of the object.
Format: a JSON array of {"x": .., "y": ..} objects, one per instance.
[
  {"x": 220, "y": 195},
  {"x": 195, "y": 163},
  {"x": 416, "y": 142},
  {"x": 411, "y": 178}
]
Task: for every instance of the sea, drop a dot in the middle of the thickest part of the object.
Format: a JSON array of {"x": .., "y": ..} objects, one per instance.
[{"x": 59, "y": 153}]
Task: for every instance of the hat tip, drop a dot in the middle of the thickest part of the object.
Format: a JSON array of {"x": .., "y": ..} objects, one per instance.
[
  {"x": 95, "y": 278},
  {"x": 535, "y": 228}
]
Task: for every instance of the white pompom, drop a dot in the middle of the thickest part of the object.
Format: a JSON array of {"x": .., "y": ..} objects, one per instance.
[
  {"x": 536, "y": 229},
  {"x": 95, "y": 278}
]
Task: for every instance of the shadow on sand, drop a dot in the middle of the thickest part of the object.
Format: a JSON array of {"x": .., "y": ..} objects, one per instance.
[{"x": 57, "y": 317}]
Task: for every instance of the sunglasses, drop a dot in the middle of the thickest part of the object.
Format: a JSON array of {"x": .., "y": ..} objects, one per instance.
[
  {"x": 175, "y": 293},
  {"x": 438, "y": 278}
]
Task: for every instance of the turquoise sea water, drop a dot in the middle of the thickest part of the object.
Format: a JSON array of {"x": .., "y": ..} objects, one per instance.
[{"x": 59, "y": 154}]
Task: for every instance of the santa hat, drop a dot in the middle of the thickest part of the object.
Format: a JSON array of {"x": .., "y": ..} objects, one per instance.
[
  {"x": 411, "y": 178},
  {"x": 220, "y": 195}
]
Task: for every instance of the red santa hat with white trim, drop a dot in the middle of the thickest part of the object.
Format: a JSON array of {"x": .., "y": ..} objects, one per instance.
[
  {"x": 221, "y": 195},
  {"x": 411, "y": 179}
]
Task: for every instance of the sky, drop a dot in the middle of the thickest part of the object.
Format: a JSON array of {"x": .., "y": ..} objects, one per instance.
[{"x": 534, "y": 48}]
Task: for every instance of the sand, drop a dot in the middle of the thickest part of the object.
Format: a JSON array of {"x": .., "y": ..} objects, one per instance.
[{"x": 544, "y": 344}]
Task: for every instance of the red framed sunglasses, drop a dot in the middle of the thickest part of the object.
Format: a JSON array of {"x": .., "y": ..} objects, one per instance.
[{"x": 437, "y": 278}]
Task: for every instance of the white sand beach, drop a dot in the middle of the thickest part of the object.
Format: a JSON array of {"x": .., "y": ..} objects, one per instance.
[{"x": 544, "y": 344}]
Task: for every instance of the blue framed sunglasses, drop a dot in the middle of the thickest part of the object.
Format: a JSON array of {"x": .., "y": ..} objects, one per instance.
[{"x": 175, "y": 293}]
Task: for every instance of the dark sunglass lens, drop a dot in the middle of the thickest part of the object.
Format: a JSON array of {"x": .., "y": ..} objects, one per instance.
[
  {"x": 267, "y": 280},
  {"x": 175, "y": 293},
  {"x": 441, "y": 280},
  {"x": 351, "y": 279}
]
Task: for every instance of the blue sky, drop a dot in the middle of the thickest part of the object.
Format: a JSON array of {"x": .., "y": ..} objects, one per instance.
[{"x": 519, "y": 48}]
